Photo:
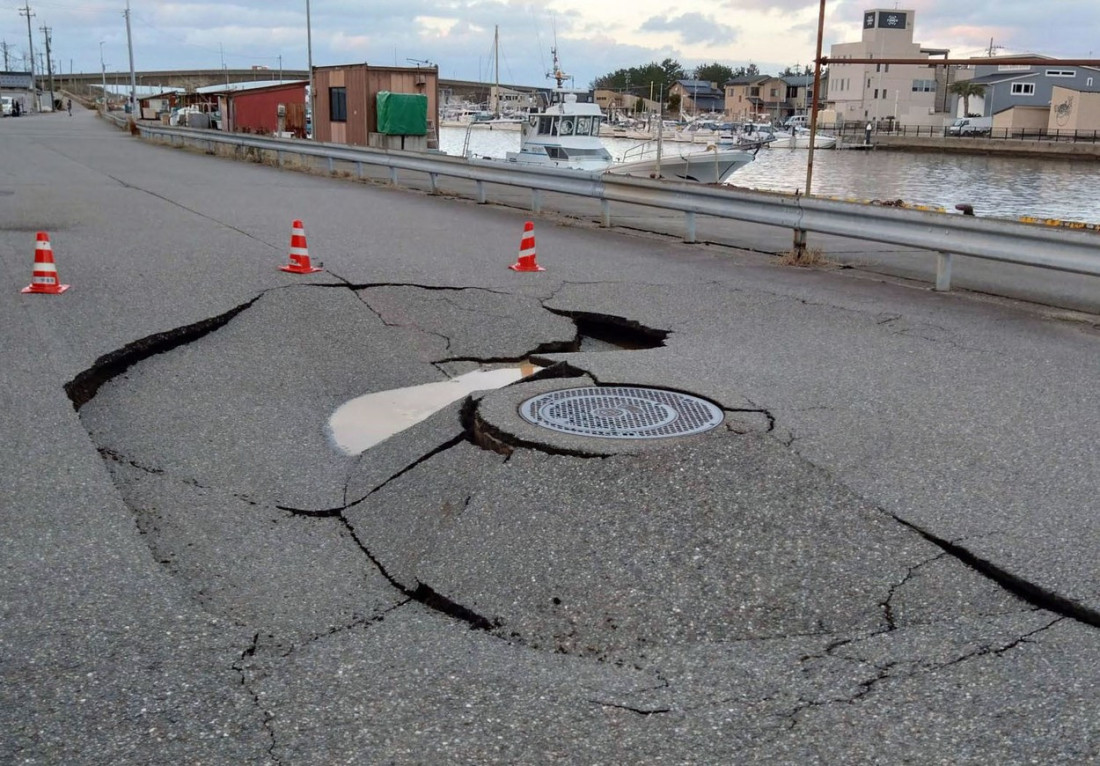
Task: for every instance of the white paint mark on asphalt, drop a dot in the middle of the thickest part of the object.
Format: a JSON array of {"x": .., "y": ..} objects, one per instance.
[{"x": 365, "y": 421}]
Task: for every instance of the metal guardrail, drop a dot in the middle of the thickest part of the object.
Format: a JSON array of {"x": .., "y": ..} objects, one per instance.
[{"x": 1041, "y": 246}]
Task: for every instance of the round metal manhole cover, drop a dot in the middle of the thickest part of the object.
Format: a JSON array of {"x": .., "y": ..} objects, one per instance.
[{"x": 620, "y": 412}]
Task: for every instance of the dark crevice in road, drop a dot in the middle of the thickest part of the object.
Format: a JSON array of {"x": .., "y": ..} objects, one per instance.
[
  {"x": 887, "y": 604},
  {"x": 629, "y": 709},
  {"x": 328, "y": 512},
  {"x": 619, "y": 331},
  {"x": 998, "y": 651},
  {"x": 269, "y": 717},
  {"x": 1030, "y": 592},
  {"x": 423, "y": 593},
  {"x": 82, "y": 388}
]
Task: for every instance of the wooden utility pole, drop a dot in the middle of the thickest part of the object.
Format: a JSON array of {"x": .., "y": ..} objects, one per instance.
[
  {"x": 49, "y": 64},
  {"x": 26, "y": 11}
]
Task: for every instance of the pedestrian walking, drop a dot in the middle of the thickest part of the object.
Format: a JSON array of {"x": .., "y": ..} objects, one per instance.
[{"x": 69, "y": 106}]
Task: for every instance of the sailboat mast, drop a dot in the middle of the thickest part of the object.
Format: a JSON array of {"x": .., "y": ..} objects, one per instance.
[{"x": 496, "y": 69}]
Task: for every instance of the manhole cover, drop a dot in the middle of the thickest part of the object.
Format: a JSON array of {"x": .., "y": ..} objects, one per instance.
[{"x": 619, "y": 412}]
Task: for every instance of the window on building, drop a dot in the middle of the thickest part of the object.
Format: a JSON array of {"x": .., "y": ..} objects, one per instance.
[
  {"x": 887, "y": 68},
  {"x": 338, "y": 104},
  {"x": 754, "y": 91},
  {"x": 868, "y": 82},
  {"x": 1023, "y": 89},
  {"x": 876, "y": 92},
  {"x": 1061, "y": 73},
  {"x": 774, "y": 92},
  {"x": 878, "y": 67},
  {"x": 884, "y": 92},
  {"x": 924, "y": 86}
]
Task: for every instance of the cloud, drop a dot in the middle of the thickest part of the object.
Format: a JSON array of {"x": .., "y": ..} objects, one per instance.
[{"x": 692, "y": 28}]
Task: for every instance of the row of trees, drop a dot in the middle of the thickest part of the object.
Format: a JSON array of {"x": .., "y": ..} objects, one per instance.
[{"x": 653, "y": 79}]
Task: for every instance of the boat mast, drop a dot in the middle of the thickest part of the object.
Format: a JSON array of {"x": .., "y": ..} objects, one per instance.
[
  {"x": 558, "y": 75},
  {"x": 496, "y": 69}
]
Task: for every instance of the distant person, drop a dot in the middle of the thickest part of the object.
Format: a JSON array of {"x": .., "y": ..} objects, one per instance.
[
  {"x": 17, "y": 108},
  {"x": 69, "y": 106}
]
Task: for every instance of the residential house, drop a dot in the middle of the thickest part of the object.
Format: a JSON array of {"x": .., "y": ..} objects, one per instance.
[
  {"x": 1034, "y": 97},
  {"x": 698, "y": 97},
  {"x": 744, "y": 101}
]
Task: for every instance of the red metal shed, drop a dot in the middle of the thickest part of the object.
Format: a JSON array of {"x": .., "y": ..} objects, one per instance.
[{"x": 256, "y": 110}]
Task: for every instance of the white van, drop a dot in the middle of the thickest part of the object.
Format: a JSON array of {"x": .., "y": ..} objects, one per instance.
[{"x": 6, "y": 105}]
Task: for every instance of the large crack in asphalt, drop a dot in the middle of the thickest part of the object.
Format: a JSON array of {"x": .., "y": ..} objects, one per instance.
[{"x": 84, "y": 386}]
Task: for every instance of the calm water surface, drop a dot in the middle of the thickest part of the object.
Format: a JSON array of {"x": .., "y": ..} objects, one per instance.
[{"x": 1000, "y": 187}]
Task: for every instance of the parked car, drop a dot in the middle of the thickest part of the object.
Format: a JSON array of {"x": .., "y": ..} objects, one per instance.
[
  {"x": 970, "y": 126},
  {"x": 6, "y": 106}
]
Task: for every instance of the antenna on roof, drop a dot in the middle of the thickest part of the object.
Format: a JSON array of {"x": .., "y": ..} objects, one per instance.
[{"x": 558, "y": 75}]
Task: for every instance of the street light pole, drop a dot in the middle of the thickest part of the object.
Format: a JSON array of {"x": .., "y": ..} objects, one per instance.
[
  {"x": 135, "y": 112},
  {"x": 309, "y": 63},
  {"x": 103, "y": 71}
]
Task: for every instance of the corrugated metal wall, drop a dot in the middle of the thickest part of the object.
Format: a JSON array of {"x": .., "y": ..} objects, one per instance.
[{"x": 258, "y": 111}]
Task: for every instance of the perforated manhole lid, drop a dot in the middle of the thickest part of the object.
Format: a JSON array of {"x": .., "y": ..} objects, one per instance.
[{"x": 619, "y": 412}]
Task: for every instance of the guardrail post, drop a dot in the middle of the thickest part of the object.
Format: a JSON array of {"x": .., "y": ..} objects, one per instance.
[
  {"x": 432, "y": 182},
  {"x": 393, "y": 176},
  {"x": 943, "y": 271},
  {"x": 689, "y": 224},
  {"x": 605, "y": 214},
  {"x": 480, "y": 192},
  {"x": 799, "y": 244},
  {"x": 278, "y": 158},
  {"x": 331, "y": 166},
  {"x": 536, "y": 200},
  {"x": 359, "y": 170}
]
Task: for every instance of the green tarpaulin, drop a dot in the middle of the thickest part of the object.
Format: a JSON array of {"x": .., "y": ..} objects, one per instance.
[{"x": 402, "y": 114}]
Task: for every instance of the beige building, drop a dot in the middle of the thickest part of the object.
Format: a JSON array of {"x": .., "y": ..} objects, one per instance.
[
  {"x": 755, "y": 98},
  {"x": 906, "y": 94},
  {"x": 1073, "y": 110}
]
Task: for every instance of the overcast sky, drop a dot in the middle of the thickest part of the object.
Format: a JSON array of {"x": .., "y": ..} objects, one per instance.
[{"x": 593, "y": 38}]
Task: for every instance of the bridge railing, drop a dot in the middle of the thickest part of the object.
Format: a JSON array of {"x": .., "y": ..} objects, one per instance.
[{"x": 1072, "y": 248}]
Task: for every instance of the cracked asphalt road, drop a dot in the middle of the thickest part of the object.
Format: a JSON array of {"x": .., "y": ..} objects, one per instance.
[{"x": 889, "y": 555}]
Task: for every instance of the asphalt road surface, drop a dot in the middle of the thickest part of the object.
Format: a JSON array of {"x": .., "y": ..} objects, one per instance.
[{"x": 887, "y": 552}]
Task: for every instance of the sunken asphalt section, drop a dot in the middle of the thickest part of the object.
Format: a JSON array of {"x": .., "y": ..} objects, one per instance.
[{"x": 886, "y": 554}]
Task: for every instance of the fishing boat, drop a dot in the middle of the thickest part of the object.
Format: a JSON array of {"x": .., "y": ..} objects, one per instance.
[{"x": 566, "y": 134}]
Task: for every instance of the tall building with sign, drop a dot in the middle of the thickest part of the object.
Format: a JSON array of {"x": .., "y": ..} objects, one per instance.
[{"x": 903, "y": 93}]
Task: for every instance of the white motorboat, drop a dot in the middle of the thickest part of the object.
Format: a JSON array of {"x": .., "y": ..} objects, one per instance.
[
  {"x": 775, "y": 138},
  {"x": 566, "y": 134},
  {"x": 712, "y": 164}
]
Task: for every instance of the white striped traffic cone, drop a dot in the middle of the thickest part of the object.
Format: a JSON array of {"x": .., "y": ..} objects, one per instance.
[
  {"x": 299, "y": 252},
  {"x": 526, "y": 260},
  {"x": 44, "y": 277}
]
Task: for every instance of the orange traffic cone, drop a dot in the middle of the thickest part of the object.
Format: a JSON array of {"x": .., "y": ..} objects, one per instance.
[
  {"x": 299, "y": 252},
  {"x": 526, "y": 261},
  {"x": 44, "y": 278}
]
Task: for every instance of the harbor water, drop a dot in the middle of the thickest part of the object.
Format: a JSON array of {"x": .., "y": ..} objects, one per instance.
[{"x": 997, "y": 187}]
